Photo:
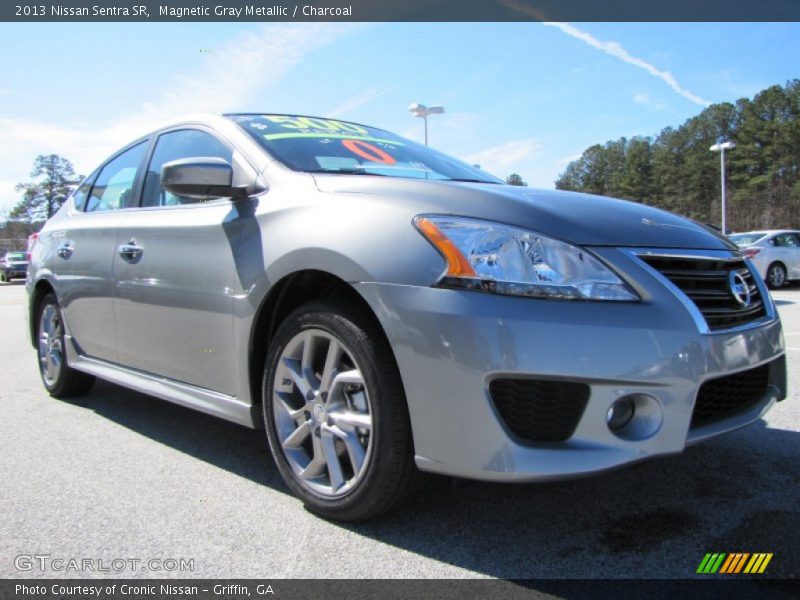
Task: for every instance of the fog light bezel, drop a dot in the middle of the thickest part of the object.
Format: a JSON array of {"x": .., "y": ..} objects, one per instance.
[{"x": 645, "y": 419}]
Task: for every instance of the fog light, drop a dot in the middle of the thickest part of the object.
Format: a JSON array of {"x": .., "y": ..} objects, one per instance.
[{"x": 620, "y": 413}]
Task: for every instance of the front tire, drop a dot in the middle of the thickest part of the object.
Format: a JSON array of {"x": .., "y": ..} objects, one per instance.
[
  {"x": 776, "y": 276},
  {"x": 335, "y": 413},
  {"x": 60, "y": 380}
]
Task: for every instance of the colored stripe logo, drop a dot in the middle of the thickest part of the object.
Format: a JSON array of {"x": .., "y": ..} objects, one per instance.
[{"x": 734, "y": 562}]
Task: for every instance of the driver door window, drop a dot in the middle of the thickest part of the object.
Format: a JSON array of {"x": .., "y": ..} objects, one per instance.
[{"x": 174, "y": 145}]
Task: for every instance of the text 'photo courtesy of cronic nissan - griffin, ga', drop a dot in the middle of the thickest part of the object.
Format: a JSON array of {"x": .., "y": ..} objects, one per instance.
[{"x": 383, "y": 310}]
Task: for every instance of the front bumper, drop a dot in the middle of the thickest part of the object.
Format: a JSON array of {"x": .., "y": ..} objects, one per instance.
[{"x": 450, "y": 345}]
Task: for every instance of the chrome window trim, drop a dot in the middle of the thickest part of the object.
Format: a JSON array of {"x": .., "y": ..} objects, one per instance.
[{"x": 719, "y": 255}]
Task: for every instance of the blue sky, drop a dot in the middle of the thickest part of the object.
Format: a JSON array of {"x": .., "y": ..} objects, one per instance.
[{"x": 520, "y": 97}]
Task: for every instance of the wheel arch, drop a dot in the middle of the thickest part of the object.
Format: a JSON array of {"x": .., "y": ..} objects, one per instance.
[
  {"x": 771, "y": 264},
  {"x": 291, "y": 291},
  {"x": 40, "y": 289},
  {"x": 776, "y": 262}
]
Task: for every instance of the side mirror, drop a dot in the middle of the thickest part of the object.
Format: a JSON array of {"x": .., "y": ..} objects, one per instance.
[{"x": 202, "y": 177}]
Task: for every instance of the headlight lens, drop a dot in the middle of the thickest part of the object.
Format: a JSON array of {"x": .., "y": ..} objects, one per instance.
[{"x": 491, "y": 257}]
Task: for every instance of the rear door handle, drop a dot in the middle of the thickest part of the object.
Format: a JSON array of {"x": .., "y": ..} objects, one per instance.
[
  {"x": 65, "y": 250},
  {"x": 131, "y": 251}
]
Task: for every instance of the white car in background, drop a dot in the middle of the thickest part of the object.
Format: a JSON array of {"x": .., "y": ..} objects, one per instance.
[{"x": 775, "y": 253}]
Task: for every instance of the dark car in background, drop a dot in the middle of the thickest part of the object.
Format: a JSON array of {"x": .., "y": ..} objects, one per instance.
[{"x": 13, "y": 265}]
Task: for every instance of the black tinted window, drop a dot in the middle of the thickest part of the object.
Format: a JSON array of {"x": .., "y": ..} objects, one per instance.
[
  {"x": 186, "y": 143},
  {"x": 114, "y": 185}
]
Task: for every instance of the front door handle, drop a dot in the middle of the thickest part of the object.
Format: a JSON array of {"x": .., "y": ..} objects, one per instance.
[
  {"x": 65, "y": 250},
  {"x": 131, "y": 251}
]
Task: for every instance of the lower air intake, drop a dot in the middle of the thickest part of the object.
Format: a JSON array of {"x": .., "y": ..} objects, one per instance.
[{"x": 538, "y": 410}]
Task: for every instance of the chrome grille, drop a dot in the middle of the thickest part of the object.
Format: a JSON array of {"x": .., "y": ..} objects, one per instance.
[{"x": 707, "y": 283}]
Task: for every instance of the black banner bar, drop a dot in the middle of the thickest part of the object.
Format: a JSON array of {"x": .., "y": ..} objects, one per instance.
[
  {"x": 732, "y": 588},
  {"x": 399, "y": 10}
]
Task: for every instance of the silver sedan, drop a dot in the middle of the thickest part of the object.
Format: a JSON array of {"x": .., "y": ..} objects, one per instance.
[
  {"x": 775, "y": 254},
  {"x": 382, "y": 309}
]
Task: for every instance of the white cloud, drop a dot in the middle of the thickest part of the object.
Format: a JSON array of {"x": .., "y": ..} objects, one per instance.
[
  {"x": 359, "y": 99},
  {"x": 564, "y": 162},
  {"x": 648, "y": 101},
  {"x": 7, "y": 190},
  {"x": 617, "y": 51},
  {"x": 371, "y": 94},
  {"x": 447, "y": 132},
  {"x": 227, "y": 81},
  {"x": 611, "y": 48},
  {"x": 513, "y": 156}
]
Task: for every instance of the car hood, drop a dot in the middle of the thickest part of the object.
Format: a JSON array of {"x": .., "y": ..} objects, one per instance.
[{"x": 579, "y": 218}]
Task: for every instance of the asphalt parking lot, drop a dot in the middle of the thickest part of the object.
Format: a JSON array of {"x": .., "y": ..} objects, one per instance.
[{"x": 117, "y": 474}]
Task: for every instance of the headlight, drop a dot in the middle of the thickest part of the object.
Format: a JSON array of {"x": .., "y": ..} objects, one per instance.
[{"x": 491, "y": 257}]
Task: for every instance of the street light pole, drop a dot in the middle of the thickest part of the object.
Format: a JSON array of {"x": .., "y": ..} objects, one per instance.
[
  {"x": 721, "y": 147},
  {"x": 422, "y": 111}
]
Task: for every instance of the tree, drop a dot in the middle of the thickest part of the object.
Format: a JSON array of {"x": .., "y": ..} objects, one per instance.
[
  {"x": 676, "y": 170},
  {"x": 515, "y": 179},
  {"x": 43, "y": 197}
]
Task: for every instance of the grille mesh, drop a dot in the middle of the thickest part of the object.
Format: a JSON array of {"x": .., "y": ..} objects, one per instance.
[
  {"x": 706, "y": 281},
  {"x": 540, "y": 410},
  {"x": 726, "y": 396}
]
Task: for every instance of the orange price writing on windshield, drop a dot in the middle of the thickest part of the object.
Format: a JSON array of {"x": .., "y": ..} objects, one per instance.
[{"x": 368, "y": 151}]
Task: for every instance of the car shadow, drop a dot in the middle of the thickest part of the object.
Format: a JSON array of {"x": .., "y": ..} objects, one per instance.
[
  {"x": 237, "y": 449},
  {"x": 723, "y": 495}
]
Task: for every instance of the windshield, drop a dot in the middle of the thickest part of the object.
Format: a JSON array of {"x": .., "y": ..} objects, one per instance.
[
  {"x": 746, "y": 239},
  {"x": 15, "y": 256},
  {"x": 318, "y": 145}
]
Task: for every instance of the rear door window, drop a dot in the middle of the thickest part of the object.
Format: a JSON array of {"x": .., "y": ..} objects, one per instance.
[
  {"x": 82, "y": 193},
  {"x": 787, "y": 240},
  {"x": 114, "y": 185}
]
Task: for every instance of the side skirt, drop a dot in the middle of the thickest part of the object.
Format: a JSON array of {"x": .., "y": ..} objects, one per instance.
[{"x": 206, "y": 401}]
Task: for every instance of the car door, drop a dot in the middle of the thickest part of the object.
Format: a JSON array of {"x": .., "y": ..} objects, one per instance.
[
  {"x": 787, "y": 250},
  {"x": 174, "y": 273},
  {"x": 790, "y": 243},
  {"x": 85, "y": 248}
]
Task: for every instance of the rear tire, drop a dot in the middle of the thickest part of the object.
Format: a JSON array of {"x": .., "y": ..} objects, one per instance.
[
  {"x": 335, "y": 413},
  {"x": 60, "y": 380},
  {"x": 776, "y": 276}
]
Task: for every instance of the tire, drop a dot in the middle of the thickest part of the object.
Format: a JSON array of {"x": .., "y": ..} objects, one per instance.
[
  {"x": 776, "y": 276},
  {"x": 60, "y": 380},
  {"x": 3, "y": 277},
  {"x": 318, "y": 418}
]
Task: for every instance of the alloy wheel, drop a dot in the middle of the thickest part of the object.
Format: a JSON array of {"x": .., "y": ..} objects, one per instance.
[
  {"x": 51, "y": 352},
  {"x": 322, "y": 412},
  {"x": 777, "y": 276}
]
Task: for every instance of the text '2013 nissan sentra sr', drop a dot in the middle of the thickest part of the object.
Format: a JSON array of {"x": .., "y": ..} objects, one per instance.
[{"x": 382, "y": 309}]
